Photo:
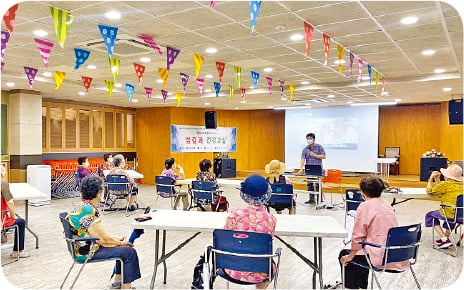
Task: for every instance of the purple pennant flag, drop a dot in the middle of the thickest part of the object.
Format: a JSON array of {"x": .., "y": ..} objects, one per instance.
[
  {"x": 369, "y": 71},
  {"x": 30, "y": 73},
  {"x": 351, "y": 65},
  {"x": 172, "y": 54},
  {"x": 165, "y": 95},
  {"x": 148, "y": 93},
  {"x": 281, "y": 84},
  {"x": 5, "y": 38},
  {"x": 269, "y": 85},
  {"x": 129, "y": 91},
  {"x": 184, "y": 78},
  {"x": 217, "y": 88},
  {"x": 200, "y": 83},
  {"x": 360, "y": 70}
]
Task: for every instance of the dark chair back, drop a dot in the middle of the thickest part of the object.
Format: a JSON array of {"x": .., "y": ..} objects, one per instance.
[
  {"x": 353, "y": 199},
  {"x": 117, "y": 182},
  {"x": 165, "y": 185},
  {"x": 459, "y": 209},
  {"x": 281, "y": 193},
  {"x": 67, "y": 231},
  {"x": 405, "y": 242},
  {"x": 78, "y": 179},
  {"x": 203, "y": 190}
]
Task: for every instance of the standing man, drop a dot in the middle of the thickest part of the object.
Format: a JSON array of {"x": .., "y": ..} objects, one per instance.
[{"x": 311, "y": 155}]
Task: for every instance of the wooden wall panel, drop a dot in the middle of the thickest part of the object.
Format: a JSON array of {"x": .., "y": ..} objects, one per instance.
[{"x": 451, "y": 136}]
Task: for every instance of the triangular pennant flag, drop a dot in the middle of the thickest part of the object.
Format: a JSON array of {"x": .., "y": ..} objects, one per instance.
[
  {"x": 184, "y": 79},
  {"x": 178, "y": 98},
  {"x": 45, "y": 48},
  {"x": 81, "y": 57},
  {"x": 351, "y": 65},
  {"x": 9, "y": 17},
  {"x": 255, "y": 79},
  {"x": 269, "y": 85},
  {"x": 59, "y": 77},
  {"x": 217, "y": 88},
  {"x": 308, "y": 36},
  {"x": 377, "y": 77},
  {"x": 238, "y": 74},
  {"x": 200, "y": 83},
  {"x": 129, "y": 91},
  {"x": 163, "y": 75},
  {"x": 281, "y": 85},
  {"x": 109, "y": 87},
  {"x": 5, "y": 38},
  {"x": 291, "y": 89},
  {"x": 360, "y": 70},
  {"x": 139, "y": 71},
  {"x": 3, "y": 64},
  {"x": 62, "y": 21},
  {"x": 326, "y": 47},
  {"x": 211, "y": 4},
  {"x": 341, "y": 52},
  {"x": 383, "y": 87},
  {"x": 254, "y": 12},
  {"x": 198, "y": 63},
  {"x": 114, "y": 65},
  {"x": 242, "y": 95},
  {"x": 149, "y": 40},
  {"x": 86, "y": 81},
  {"x": 220, "y": 66},
  {"x": 369, "y": 71},
  {"x": 172, "y": 54},
  {"x": 148, "y": 93},
  {"x": 231, "y": 92},
  {"x": 108, "y": 34},
  {"x": 165, "y": 95},
  {"x": 30, "y": 74}
]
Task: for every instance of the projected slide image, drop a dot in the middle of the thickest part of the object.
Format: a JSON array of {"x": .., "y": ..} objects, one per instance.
[{"x": 336, "y": 132}]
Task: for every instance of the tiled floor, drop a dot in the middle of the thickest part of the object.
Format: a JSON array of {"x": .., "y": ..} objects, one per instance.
[{"x": 49, "y": 264}]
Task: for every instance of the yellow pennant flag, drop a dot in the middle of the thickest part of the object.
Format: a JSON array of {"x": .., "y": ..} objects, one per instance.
[
  {"x": 238, "y": 75},
  {"x": 231, "y": 92},
  {"x": 377, "y": 77},
  {"x": 341, "y": 52},
  {"x": 109, "y": 87},
  {"x": 114, "y": 65},
  {"x": 291, "y": 88},
  {"x": 59, "y": 77},
  {"x": 62, "y": 21},
  {"x": 198, "y": 62},
  {"x": 178, "y": 98},
  {"x": 164, "y": 73}
]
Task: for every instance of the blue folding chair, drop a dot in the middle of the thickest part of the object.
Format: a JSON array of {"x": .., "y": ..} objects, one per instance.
[
  {"x": 282, "y": 196},
  {"x": 6, "y": 230},
  {"x": 402, "y": 245},
  {"x": 117, "y": 187},
  {"x": 203, "y": 193},
  {"x": 166, "y": 188},
  {"x": 80, "y": 259},
  {"x": 353, "y": 198},
  {"x": 243, "y": 251},
  {"x": 457, "y": 221}
]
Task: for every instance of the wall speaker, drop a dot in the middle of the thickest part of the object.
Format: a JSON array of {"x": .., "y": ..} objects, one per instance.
[
  {"x": 455, "y": 112},
  {"x": 210, "y": 120}
]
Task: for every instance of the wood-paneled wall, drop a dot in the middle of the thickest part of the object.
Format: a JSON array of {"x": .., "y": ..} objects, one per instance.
[{"x": 260, "y": 138}]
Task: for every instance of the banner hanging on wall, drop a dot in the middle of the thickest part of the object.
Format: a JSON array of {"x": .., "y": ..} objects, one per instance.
[{"x": 200, "y": 139}]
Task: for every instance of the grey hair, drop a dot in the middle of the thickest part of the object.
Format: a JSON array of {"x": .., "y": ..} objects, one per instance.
[{"x": 118, "y": 159}]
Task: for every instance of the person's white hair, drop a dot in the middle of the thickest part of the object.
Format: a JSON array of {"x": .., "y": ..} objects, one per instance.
[{"x": 118, "y": 159}]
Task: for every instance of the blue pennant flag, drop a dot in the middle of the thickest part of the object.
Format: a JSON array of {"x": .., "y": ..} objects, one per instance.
[
  {"x": 129, "y": 91},
  {"x": 255, "y": 78},
  {"x": 217, "y": 88},
  {"x": 109, "y": 37},
  {"x": 254, "y": 12},
  {"x": 369, "y": 71},
  {"x": 81, "y": 57}
]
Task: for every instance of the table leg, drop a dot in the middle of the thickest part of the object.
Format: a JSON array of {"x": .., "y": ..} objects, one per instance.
[
  {"x": 163, "y": 255},
  {"x": 26, "y": 218},
  {"x": 155, "y": 267},
  {"x": 319, "y": 242},
  {"x": 315, "y": 263}
]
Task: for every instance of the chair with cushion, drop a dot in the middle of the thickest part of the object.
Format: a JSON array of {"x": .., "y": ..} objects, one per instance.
[
  {"x": 203, "y": 194},
  {"x": 117, "y": 187},
  {"x": 282, "y": 196},
  {"x": 353, "y": 198},
  {"x": 243, "y": 251},
  {"x": 166, "y": 188},
  {"x": 81, "y": 257},
  {"x": 402, "y": 245},
  {"x": 455, "y": 237}
]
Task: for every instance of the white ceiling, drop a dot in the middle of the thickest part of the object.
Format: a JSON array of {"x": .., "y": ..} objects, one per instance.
[{"x": 370, "y": 29}]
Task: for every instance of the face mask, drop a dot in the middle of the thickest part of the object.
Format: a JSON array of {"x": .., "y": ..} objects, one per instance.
[
  {"x": 110, "y": 159},
  {"x": 310, "y": 141}
]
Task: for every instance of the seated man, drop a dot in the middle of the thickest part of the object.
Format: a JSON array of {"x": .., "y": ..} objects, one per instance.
[
  {"x": 275, "y": 169},
  {"x": 169, "y": 172},
  {"x": 119, "y": 165}
]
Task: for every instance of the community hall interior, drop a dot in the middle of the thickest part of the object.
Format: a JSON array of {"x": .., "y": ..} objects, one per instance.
[{"x": 240, "y": 83}]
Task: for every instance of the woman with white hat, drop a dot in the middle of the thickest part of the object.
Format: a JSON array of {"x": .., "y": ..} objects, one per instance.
[
  {"x": 448, "y": 190},
  {"x": 275, "y": 170}
]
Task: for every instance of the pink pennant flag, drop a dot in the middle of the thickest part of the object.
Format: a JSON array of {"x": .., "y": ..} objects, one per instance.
[
  {"x": 360, "y": 70},
  {"x": 212, "y": 4},
  {"x": 184, "y": 79},
  {"x": 165, "y": 95},
  {"x": 200, "y": 83},
  {"x": 148, "y": 93},
  {"x": 242, "y": 95},
  {"x": 45, "y": 48},
  {"x": 149, "y": 40},
  {"x": 30, "y": 74},
  {"x": 326, "y": 48},
  {"x": 172, "y": 54},
  {"x": 383, "y": 87},
  {"x": 86, "y": 81},
  {"x": 308, "y": 36},
  {"x": 139, "y": 71},
  {"x": 351, "y": 65},
  {"x": 220, "y": 68},
  {"x": 281, "y": 85},
  {"x": 269, "y": 85},
  {"x": 3, "y": 64}
]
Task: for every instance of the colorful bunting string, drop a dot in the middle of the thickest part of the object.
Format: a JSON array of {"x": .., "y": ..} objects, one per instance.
[
  {"x": 129, "y": 91},
  {"x": 281, "y": 85},
  {"x": 341, "y": 52},
  {"x": 308, "y": 36},
  {"x": 59, "y": 78},
  {"x": 9, "y": 17},
  {"x": 5, "y": 38},
  {"x": 114, "y": 65},
  {"x": 87, "y": 81},
  {"x": 217, "y": 88},
  {"x": 242, "y": 95},
  {"x": 184, "y": 79},
  {"x": 269, "y": 85},
  {"x": 200, "y": 83},
  {"x": 109, "y": 87},
  {"x": 254, "y": 7},
  {"x": 108, "y": 34},
  {"x": 172, "y": 54},
  {"x": 30, "y": 74},
  {"x": 149, "y": 40},
  {"x": 148, "y": 93},
  {"x": 238, "y": 74},
  {"x": 351, "y": 65},
  {"x": 326, "y": 47},
  {"x": 139, "y": 71},
  {"x": 198, "y": 63},
  {"x": 255, "y": 79},
  {"x": 231, "y": 92},
  {"x": 360, "y": 70},
  {"x": 81, "y": 57},
  {"x": 164, "y": 73},
  {"x": 62, "y": 21},
  {"x": 220, "y": 66},
  {"x": 369, "y": 71},
  {"x": 165, "y": 95},
  {"x": 178, "y": 98},
  {"x": 291, "y": 89}
]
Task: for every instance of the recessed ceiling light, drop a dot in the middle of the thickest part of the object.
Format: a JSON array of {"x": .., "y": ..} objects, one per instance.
[
  {"x": 251, "y": 87},
  {"x": 237, "y": 108},
  {"x": 208, "y": 76},
  {"x": 40, "y": 33},
  {"x": 270, "y": 107},
  {"x": 330, "y": 96},
  {"x": 118, "y": 85},
  {"x": 447, "y": 89},
  {"x": 169, "y": 94},
  {"x": 243, "y": 102},
  {"x": 386, "y": 93},
  {"x": 211, "y": 50},
  {"x": 207, "y": 104},
  {"x": 267, "y": 69},
  {"x": 145, "y": 59},
  {"x": 91, "y": 66},
  {"x": 304, "y": 82},
  {"x": 81, "y": 93},
  {"x": 409, "y": 20},
  {"x": 349, "y": 102},
  {"x": 159, "y": 81},
  {"x": 10, "y": 84},
  {"x": 135, "y": 100},
  {"x": 338, "y": 61},
  {"x": 113, "y": 15},
  {"x": 47, "y": 74},
  {"x": 208, "y": 91},
  {"x": 428, "y": 52},
  {"x": 397, "y": 100},
  {"x": 296, "y": 37},
  {"x": 307, "y": 104},
  {"x": 439, "y": 70}
]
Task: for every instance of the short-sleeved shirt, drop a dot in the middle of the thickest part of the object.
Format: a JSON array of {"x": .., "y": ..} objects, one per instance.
[
  {"x": 82, "y": 171},
  {"x": 120, "y": 171},
  {"x": 6, "y": 191},
  {"x": 317, "y": 149},
  {"x": 170, "y": 173},
  {"x": 207, "y": 176},
  {"x": 104, "y": 166},
  {"x": 448, "y": 190}
]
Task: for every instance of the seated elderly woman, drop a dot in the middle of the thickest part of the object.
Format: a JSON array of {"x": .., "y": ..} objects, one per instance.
[
  {"x": 205, "y": 174},
  {"x": 85, "y": 221},
  {"x": 275, "y": 170},
  {"x": 119, "y": 165},
  {"x": 374, "y": 218}
]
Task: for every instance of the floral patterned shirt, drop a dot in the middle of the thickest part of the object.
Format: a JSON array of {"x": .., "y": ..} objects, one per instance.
[
  {"x": 207, "y": 176},
  {"x": 170, "y": 173}
]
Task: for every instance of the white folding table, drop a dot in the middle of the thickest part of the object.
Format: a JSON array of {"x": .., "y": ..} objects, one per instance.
[
  {"x": 317, "y": 227},
  {"x": 384, "y": 166},
  {"x": 131, "y": 173},
  {"x": 407, "y": 193},
  {"x": 25, "y": 191},
  {"x": 314, "y": 179}
]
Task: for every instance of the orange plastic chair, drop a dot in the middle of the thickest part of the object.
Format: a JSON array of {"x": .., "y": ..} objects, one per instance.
[{"x": 332, "y": 179}]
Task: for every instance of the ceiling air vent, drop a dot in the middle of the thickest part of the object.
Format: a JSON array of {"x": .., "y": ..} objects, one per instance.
[{"x": 126, "y": 45}]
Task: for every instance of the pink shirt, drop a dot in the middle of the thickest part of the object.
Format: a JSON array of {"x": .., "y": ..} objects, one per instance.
[{"x": 374, "y": 218}]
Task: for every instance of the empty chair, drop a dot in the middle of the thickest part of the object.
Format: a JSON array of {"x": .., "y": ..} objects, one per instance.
[
  {"x": 353, "y": 199},
  {"x": 332, "y": 180},
  {"x": 117, "y": 187},
  {"x": 282, "y": 197},
  {"x": 166, "y": 188}
]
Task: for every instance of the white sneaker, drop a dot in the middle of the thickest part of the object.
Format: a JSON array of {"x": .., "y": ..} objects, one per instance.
[{"x": 21, "y": 254}]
